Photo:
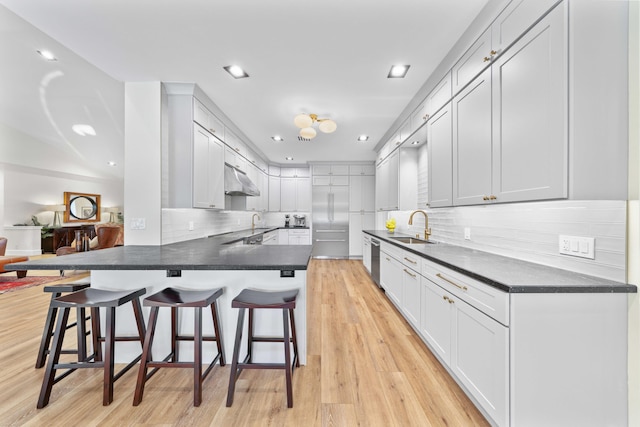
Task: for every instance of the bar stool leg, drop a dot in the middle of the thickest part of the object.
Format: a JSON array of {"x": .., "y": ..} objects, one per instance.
[
  {"x": 81, "y": 331},
  {"x": 96, "y": 334},
  {"x": 287, "y": 357},
  {"x": 216, "y": 331},
  {"x": 197, "y": 356},
  {"x": 249, "y": 338},
  {"x": 137, "y": 311},
  {"x": 46, "y": 333},
  {"x": 54, "y": 357},
  {"x": 146, "y": 356},
  {"x": 107, "y": 395},
  {"x": 234, "y": 362},
  {"x": 294, "y": 338},
  {"x": 174, "y": 334}
]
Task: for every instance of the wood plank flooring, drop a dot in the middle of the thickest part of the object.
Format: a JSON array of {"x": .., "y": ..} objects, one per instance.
[{"x": 365, "y": 367}]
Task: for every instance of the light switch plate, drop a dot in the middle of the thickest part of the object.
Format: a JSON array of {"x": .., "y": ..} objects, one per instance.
[
  {"x": 583, "y": 247},
  {"x": 467, "y": 233},
  {"x": 138, "y": 224}
]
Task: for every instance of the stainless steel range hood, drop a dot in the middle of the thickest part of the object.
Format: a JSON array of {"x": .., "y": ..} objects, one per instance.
[{"x": 237, "y": 183}]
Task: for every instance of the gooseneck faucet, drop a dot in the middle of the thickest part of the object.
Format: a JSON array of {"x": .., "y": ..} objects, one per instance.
[
  {"x": 253, "y": 224},
  {"x": 427, "y": 230}
]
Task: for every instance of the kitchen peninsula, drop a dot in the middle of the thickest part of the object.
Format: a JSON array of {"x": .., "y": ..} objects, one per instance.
[{"x": 197, "y": 264}]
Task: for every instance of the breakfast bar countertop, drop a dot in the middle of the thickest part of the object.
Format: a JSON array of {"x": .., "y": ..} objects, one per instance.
[
  {"x": 507, "y": 274},
  {"x": 209, "y": 253}
]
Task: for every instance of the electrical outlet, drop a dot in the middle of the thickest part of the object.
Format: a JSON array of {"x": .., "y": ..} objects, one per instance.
[
  {"x": 190, "y": 225},
  {"x": 583, "y": 247},
  {"x": 467, "y": 233},
  {"x": 138, "y": 224}
]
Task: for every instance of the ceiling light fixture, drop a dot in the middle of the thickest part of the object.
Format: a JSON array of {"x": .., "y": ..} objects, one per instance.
[
  {"x": 306, "y": 121},
  {"x": 84, "y": 130},
  {"x": 363, "y": 138},
  {"x": 398, "y": 71},
  {"x": 47, "y": 55},
  {"x": 112, "y": 164},
  {"x": 236, "y": 71},
  {"x": 277, "y": 138},
  {"x": 416, "y": 142}
]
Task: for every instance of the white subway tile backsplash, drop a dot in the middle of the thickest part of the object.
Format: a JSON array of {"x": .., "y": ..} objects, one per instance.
[{"x": 530, "y": 231}]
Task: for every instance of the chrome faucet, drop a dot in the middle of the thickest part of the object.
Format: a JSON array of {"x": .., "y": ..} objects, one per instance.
[
  {"x": 427, "y": 230},
  {"x": 253, "y": 224}
]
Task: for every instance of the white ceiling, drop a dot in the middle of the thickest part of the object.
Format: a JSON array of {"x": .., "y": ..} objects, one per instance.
[{"x": 330, "y": 58}]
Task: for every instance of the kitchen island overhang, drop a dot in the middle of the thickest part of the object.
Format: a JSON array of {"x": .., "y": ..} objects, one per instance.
[{"x": 203, "y": 264}]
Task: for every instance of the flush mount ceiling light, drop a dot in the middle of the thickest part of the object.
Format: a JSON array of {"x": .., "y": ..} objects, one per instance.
[
  {"x": 84, "y": 130},
  {"x": 47, "y": 55},
  {"x": 363, "y": 138},
  {"x": 236, "y": 71},
  {"x": 398, "y": 71},
  {"x": 277, "y": 138},
  {"x": 306, "y": 121}
]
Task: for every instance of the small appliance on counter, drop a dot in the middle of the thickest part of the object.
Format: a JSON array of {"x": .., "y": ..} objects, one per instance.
[
  {"x": 286, "y": 220},
  {"x": 299, "y": 220}
]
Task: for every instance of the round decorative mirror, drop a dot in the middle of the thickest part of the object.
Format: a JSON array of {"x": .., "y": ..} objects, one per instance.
[{"x": 81, "y": 207}]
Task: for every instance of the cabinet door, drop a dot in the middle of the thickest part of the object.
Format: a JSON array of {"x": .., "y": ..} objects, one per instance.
[
  {"x": 472, "y": 142},
  {"x": 366, "y": 253},
  {"x": 367, "y": 190},
  {"x": 439, "y": 96},
  {"x": 283, "y": 237},
  {"x": 216, "y": 173},
  {"x": 406, "y": 179},
  {"x": 411, "y": 301},
  {"x": 435, "y": 321},
  {"x": 393, "y": 168},
  {"x": 530, "y": 114},
  {"x": 479, "y": 358},
  {"x": 391, "y": 278},
  {"x": 355, "y": 234},
  {"x": 382, "y": 185},
  {"x": 419, "y": 116},
  {"x": 274, "y": 193},
  {"x": 472, "y": 62},
  {"x": 288, "y": 189},
  {"x": 440, "y": 160},
  {"x": 208, "y": 170},
  {"x": 303, "y": 194},
  {"x": 355, "y": 197}
]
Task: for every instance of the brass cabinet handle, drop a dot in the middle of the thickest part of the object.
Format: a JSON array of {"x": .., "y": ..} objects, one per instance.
[
  {"x": 492, "y": 197},
  {"x": 493, "y": 52},
  {"x": 409, "y": 273},
  {"x": 464, "y": 288},
  {"x": 237, "y": 149},
  {"x": 485, "y": 198},
  {"x": 425, "y": 117},
  {"x": 410, "y": 260},
  {"x": 446, "y": 298},
  {"x": 212, "y": 130},
  {"x": 486, "y": 59},
  {"x": 388, "y": 259}
]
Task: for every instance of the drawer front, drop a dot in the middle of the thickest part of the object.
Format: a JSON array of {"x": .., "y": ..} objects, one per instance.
[
  {"x": 410, "y": 260},
  {"x": 491, "y": 301},
  {"x": 392, "y": 250},
  {"x": 299, "y": 232}
]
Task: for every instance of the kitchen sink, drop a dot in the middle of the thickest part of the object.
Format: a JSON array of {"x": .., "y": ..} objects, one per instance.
[{"x": 411, "y": 240}]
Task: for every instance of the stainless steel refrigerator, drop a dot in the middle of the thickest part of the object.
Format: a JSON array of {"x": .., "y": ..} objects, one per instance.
[{"x": 330, "y": 221}]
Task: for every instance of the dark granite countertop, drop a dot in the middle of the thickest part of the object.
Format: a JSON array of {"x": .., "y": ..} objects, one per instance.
[
  {"x": 209, "y": 253},
  {"x": 507, "y": 274}
]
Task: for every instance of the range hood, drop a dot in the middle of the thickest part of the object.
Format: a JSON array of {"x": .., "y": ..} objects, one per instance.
[{"x": 237, "y": 183}]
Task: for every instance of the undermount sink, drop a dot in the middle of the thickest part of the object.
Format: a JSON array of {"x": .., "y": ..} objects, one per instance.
[{"x": 411, "y": 240}]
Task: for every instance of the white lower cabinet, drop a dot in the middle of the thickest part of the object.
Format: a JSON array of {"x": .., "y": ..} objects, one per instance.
[
  {"x": 391, "y": 277},
  {"x": 471, "y": 344},
  {"x": 366, "y": 252},
  {"x": 411, "y": 296}
]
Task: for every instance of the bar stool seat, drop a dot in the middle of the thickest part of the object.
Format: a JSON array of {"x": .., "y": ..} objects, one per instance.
[
  {"x": 181, "y": 298},
  {"x": 50, "y": 321},
  {"x": 258, "y": 299},
  {"x": 93, "y": 299}
]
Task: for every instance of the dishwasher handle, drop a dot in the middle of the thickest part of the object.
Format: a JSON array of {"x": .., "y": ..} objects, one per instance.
[{"x": 375, "y": 242}]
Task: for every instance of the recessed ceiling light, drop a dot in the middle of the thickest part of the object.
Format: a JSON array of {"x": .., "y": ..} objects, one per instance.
[
  {"x": 398, "y": 71},
  {"x": 236, "y": 71},
  {"x": 277, "y": 138},
  {"x": 416, "y": 142},
  {"x": 363, "y": 138},
  {"x": 288, "y": 158},
  {"x": 84, "y": 130},
  {"x": 47, "y": 55},
  {"x": 112, "y": 164}
]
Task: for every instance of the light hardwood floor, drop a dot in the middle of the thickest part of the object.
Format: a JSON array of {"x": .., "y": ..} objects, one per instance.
[{"x": 365, "y": 367}]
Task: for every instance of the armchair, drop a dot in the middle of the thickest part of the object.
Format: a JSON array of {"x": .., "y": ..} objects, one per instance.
[{"x": 106, "y": 236}]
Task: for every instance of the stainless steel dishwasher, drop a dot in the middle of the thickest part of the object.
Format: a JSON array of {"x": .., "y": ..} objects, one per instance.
[{"x": 375, "y": 261}]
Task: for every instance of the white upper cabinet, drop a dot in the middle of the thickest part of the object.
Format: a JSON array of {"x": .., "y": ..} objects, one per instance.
[
  {"x": 207, "y": 120},
  {"x": 234, "y": 158},
  {"x": 295, "y": 194},
  {"x": 334, "y": 169},
  {"x": 274, "y": 193},
  {"x": 477, "y": 57},
  {"x": 440, "y": 159},
  {"x": 294, "y": 172},
  {"x": 509, "y": 135},
  {"x": 208, "y": 170},
  {"x": 361, "y": 193},
  {"x": 365, "y": 169},
  {"x": 439, "y": 96}
]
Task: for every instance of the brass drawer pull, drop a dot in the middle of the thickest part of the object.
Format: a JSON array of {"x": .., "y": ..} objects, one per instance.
[
  {"x": 409, "y": 273},
  {"x": 449, "y": 300},
  {"x": 410, "y": 260},
  {"x": 464, "y": 288}
]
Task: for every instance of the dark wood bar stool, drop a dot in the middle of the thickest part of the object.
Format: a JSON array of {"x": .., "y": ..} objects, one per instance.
[
  {"x": 80, "y": 323},
  {"x": 255, "y": 299},
  {"x": 93, "y": 299},
  {"x": 179, "y": 298}
]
